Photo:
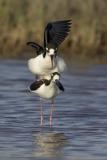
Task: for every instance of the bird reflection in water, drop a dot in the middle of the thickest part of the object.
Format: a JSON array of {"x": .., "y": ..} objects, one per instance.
[{"x": 49, "y": 144}]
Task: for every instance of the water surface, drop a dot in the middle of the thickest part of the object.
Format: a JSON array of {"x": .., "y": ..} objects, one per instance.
[{"x": 80, "y": 117}]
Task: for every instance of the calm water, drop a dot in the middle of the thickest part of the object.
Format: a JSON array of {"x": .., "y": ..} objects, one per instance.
[{"x": 80, "y": 116}]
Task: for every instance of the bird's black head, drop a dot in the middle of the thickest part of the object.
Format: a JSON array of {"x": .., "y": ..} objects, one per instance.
[
  {"x": 50, "y": 49},
  {"x": 55, "y": 77}
]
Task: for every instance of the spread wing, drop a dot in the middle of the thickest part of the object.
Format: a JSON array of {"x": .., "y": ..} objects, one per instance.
[
  {"x": 56, "y": 32},
  {"x": 39, "y": 49}
]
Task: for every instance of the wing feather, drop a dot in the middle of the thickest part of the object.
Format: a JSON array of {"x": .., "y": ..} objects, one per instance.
[
  {"x": 35, "y": 85},
  {"x": 39, "y": 49},
  {"x": 56, "y": 32}
]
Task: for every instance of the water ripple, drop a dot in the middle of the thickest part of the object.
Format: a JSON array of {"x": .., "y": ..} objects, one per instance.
[{"x": 80, "y": 116}]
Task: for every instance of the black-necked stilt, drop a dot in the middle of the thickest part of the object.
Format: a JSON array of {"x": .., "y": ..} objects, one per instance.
[
  {"x": 47, "y": 89},
  {"x": 46, "y": 61}
]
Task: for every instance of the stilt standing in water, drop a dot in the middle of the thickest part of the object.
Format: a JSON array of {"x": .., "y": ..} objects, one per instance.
[
  {"x": 47, "y": 63},
  {"x": 47, "y": 89}
]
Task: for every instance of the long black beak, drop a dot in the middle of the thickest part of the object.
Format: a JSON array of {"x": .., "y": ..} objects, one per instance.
[
  {"x": 52, "y": 57},
  {"x": 60, "y": 86}
]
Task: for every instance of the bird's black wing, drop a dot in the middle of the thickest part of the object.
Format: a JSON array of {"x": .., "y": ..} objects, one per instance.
[
  {"x": 39, "y": 49},
  {"x": 56, "y": 32},
  {"x": 59, "y": 85},
  {"x": 35, "y": 85}
]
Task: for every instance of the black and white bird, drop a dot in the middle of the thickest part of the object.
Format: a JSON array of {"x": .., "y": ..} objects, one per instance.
[
  {"x": 47, "y": 89},
  {"x": 47, "y": 61}
]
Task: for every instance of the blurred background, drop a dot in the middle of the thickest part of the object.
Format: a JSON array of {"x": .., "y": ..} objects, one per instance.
[
  {"x": 79, "y": 131},
  {"x": 22, "y": 21}
]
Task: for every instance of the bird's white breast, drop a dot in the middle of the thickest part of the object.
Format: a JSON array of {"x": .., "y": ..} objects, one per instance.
[
  {"x": 47, "y": 92},
  {"x": 43, "y": 66},
  {"x": 40, "y": 65}
]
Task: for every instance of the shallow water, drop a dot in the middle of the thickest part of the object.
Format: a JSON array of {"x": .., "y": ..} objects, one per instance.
[{"x": 80, "y": 117}]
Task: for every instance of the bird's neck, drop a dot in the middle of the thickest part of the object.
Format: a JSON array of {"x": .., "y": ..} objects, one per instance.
[{"x": 46, "y": 81}]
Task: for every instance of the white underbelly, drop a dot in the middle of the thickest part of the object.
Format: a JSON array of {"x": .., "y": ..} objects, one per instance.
[
  {"x": 41, "y": 66},
  {"x": 47, "y": 92}
]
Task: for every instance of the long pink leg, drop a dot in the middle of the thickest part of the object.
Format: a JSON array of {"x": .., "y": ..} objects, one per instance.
[
  {"x": 41, "y": 108},
  {"x": 51, "y": 113}
]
